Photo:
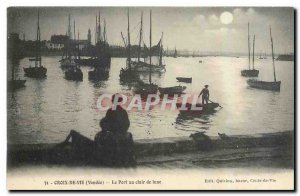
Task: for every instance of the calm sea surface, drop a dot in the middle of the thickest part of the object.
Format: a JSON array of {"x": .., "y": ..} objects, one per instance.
[{"x": 46, "y": 110}]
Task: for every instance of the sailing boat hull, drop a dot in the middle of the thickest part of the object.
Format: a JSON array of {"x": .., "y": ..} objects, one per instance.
[
  {"x": 204, "y": 109},
  {"x": 98, "y": 75},
  {"x": 144, "y": 67},
  {"x": 74, "y": 75},
  {"x": 250, "y": 73},
  {"x": 273, "y": 86},
  {"x": 16, "y": 84},
  {"x": 172, "y": 90},
  {"x": 182, "y": 79},
  {"x": 127, "y": 75},
  {"x": 35, "y": 72}
]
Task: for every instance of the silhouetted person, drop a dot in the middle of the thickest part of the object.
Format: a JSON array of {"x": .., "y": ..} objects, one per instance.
[
  {"x": 113, "y": 145},
  {"x": 205, "y": 95}
]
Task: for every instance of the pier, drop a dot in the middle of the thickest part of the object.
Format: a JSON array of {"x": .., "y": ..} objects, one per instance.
[{"x": 195, "y": 150}]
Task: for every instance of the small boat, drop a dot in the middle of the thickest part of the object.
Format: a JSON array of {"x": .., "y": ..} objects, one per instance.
[
  {"x": 66, "y": 63},
  {"x": 172, "y": 90},
  {"x": 144, "y": 67},
  {"x": 146, "y": 89},
  {"x": 206, "y": 108},
  {"x": 275, "y": 85},
  {"x": 250, "y": 72},
  {"x": 175, "y": 53},
  {"x": 14, "y": 84},
  {"x": 31, "y": 59},
  {"x": 74, "y": 72},
  {"x": 200, "y": 61},
  {"x": 285, "y": 57},
  {"x": 38, "y": 71},
  {"x": 183, "y": 79},
  {"x": 98, "y": 74},
  {"x": 128, "y": 75}
]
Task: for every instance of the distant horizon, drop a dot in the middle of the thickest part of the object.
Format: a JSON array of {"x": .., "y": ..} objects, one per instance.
[{"x": 207, "y": 30}]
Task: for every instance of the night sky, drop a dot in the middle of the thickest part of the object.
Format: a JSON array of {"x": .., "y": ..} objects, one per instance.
[{"x": 192, "y": 28}]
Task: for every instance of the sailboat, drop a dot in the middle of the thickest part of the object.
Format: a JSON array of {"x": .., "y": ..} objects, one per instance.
[
  {"x": 144, "y": 88},
  {"x": 260, "y": 57},
  {"x": 14, "y": 84},
  {"x": 66, "y": 60},
  {"x": 249, "y": 72},
  {"x": 74, "y": 72},
  {"x": 143, "y": 66},
  {"x": 38, "y": 71},
  {"x": 128, "y": 74},
  {"x": 102, "y": 60},
  {"x": 175, "y": 53},
  {"x": 275, "y": 85}
]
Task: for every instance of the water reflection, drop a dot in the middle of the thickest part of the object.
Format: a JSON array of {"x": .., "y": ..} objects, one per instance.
[{"x": 46, "y": 110}]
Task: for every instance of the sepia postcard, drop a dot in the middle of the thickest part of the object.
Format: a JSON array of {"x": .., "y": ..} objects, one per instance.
[{"x": 150, "y": 98}]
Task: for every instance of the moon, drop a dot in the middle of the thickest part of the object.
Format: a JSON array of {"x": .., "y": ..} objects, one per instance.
[{"x": 226, "y": 18}]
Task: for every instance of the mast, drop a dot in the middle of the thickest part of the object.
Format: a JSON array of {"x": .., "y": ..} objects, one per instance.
[
  {"x": 150, "y": 46},
  {"x": 128, "y": 31},
  {"x": 13, "y": 72},
  {"x": 69, "y": 27},
  {"x": 104, "y": 31},
  {"x": 161, "y": 49},
  {"x": 99, "y": 32},
  {"x": 248, "y": 47},
  {"x": 68, "y": 41},
  {"x": 96, "y": 31},
  {"x": 37, "y": 49},
  {"x": 78, "y": 47},
  {"x": 253, "y": 52},
  {"x": 141, "y": 32},
  {"x": 75, "y": 40},
  {"x": 274, "y": 72}
]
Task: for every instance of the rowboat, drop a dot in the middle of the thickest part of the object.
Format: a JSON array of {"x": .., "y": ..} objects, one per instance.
[
  {"x": 172, "y": 90},
  {"x": 189, "y": 108},
  {"x": 183, "y": 79}
]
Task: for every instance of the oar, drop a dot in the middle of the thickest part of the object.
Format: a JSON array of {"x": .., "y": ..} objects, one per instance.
[{"x": 214, "y": 102}]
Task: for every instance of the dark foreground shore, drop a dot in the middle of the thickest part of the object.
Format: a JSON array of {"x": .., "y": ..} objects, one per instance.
[{"x": 199, "y": 150}]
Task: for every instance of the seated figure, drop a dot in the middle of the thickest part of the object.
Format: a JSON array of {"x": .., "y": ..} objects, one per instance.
[{"x": 112, "y": 146}]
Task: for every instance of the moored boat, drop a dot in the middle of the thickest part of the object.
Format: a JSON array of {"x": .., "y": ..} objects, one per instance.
[
  {"x": 38, "y": 71},
  {"x": 274, "y": 86},
  {"x": 188, "y": 108},
  {"x": 250, "y": 72},
  {"x": 183, "y": 79},
  {"x": 74, "y": 72},
  {"x": 98, "y": 74},
  {"x": 172, "y": 90},
  {"x": 267, "y": 85}
]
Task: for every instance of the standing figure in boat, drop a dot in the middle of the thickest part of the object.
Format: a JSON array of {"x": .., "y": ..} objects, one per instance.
[
  {"x": 38, "y": 71},
  {"x": 205, "y": 95}
]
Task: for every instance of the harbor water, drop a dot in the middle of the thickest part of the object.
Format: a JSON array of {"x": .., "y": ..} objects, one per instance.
[{"x": 47, "y": 109}]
